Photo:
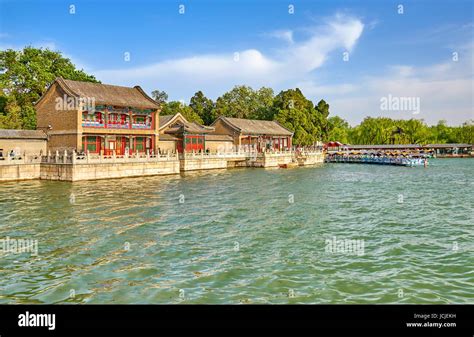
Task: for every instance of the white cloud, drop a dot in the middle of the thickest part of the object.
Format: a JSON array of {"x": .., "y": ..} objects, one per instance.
[
  {"x": 444, "y": 89},
  {"x": 217, "y": 73},
  {"x": 313, "y": 89},
  {"x": 285, "y": 35}
]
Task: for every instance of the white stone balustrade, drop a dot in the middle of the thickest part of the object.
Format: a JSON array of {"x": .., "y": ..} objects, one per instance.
[
  {"x": 72, "y": 157},
  {"x": 20, "y": 159}
]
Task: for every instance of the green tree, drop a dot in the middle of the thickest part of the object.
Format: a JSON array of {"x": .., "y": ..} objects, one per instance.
[
  {"x": 321, "y": 119},
  {"x": 244, "y": 102},
  {"x": 12, "y": 117},
  {"x": 297, "y": 113},
  {"x": 383, "y": 130},
  {"x": 26, "y": 74},
  {"x": 338, "y": 129},
  {"x": 372, "y": 130},
  {"x": 174, "y": 107},
  {"x": 441, "y": 133},
  {"x": 415, "y": 131},
  {"x": 159, "y": 96},
  {"x": 465, "y": 133},
  {"x": 203, "y": 107},
  {"x": 264, "y": 97}
]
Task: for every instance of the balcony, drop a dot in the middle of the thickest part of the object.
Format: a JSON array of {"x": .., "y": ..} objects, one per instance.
[
  {"x": 118, "y": 118},
  {"x": 93, "y": 124},
  {"x": 117, "y": 125},
  {"x": 143, "y": 126}
]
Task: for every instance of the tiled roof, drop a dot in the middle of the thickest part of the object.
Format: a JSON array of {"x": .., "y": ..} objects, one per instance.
[
  {"x": 256, "y": 127},
  {"x": 450, "y": 145},
  {"x": 165, "y": 136},
  {"x": 165, "y": 119},
  {"x": 108, "y": 94},
  {"x": 189, "y": 127},
  {"x": 22, "y": 134},
  {"x": 177, "y": 123}
]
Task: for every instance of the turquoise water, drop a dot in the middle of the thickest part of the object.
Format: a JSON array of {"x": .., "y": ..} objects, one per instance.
[{"x": 245, "y": 236}]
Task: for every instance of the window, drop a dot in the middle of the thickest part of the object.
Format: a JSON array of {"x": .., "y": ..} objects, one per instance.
[
  {"x": 92, "y": 144},
  {"x": 140, "y": 119},
  {"x": 139, "y": 144},
  {"x": 97, "y": 117}
]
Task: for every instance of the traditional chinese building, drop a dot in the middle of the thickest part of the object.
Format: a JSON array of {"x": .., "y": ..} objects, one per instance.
[
  {"x": 177, "y": 133},
  {"x": 259, "y": 134},
  {"x": 98, "y": 118}
]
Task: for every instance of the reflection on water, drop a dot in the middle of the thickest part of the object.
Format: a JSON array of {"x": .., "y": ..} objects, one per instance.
[{"x": 245, "y": 236}]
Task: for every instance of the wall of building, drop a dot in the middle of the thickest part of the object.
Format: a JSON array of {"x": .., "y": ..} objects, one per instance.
[
  {"x": 221, "y": 128},
  {"x": 219, "y": 146},
  {"x": 167, "y": 145},
  {"x": 61, "y": 125},
  {"x": 63, "y": 141},
  {"x": 20, "y": 146}
]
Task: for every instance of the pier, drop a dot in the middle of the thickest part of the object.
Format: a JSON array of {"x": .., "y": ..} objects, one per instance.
[{"x": 399, "y": 160}]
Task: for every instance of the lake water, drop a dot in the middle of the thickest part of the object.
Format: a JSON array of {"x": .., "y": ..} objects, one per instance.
[{"x": 246, "y": 236}]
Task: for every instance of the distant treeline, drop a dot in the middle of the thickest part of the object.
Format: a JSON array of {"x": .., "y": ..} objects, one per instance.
[
  {"x": 383, "y": 130},
  {"x": 26, "y": 74},
  {"x": 311, "y": 122}
]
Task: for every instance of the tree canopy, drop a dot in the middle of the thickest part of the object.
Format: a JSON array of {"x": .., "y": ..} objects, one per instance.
[
  {"x": 383, "y": 130},
  {"x": 175, "y": 107},
  {"x": 297, "y": 113},
  {"x": 244, "y": 102},
  {"x": 159, "y": 96},
  {"x": 203, "y": 107},
  {"x": 24, "y": 77}
]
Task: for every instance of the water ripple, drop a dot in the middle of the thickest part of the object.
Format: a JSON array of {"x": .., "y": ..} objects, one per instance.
[{"x": 245, "y": 236}]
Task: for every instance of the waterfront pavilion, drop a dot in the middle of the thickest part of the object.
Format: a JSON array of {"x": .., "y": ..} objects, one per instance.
[
  {"x": 178, "y": 134},
  {"x": 259, "y": 134},
  {"x": 187, "y": 136}
]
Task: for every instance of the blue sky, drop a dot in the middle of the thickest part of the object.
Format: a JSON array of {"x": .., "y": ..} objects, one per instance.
[{"x": 425, "y": 53}]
